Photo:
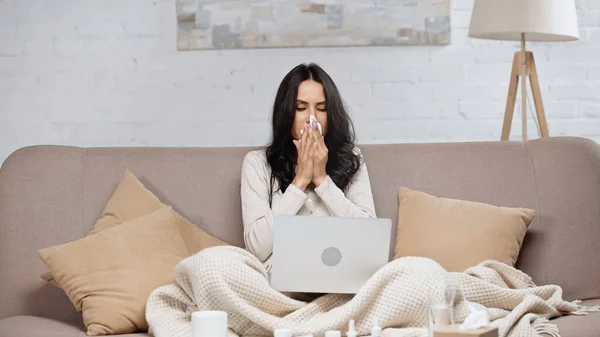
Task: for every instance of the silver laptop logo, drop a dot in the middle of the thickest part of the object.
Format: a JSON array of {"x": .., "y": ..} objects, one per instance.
[{"x": 331, "y": 256}]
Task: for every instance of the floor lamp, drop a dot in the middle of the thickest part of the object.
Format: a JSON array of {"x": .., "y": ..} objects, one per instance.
[{"x": 524, "y": 20}]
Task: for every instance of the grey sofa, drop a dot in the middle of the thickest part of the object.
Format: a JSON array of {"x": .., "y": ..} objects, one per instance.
[{"x": 54, "y": 194}]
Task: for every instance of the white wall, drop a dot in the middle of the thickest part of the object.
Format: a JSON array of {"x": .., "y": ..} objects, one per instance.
[{"x": 106, "y": 73}]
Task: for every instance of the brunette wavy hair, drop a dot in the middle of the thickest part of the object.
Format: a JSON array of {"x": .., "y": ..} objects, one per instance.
[{"x": 343, "y": 162}]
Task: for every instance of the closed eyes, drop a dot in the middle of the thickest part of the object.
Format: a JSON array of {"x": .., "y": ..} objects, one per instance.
[{"x": 303, "y": 109}]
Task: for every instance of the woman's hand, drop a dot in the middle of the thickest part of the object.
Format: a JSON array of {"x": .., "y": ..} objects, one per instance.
[
  {"x": 320, "y": 157},
  {"x": 305, "y": 148}
]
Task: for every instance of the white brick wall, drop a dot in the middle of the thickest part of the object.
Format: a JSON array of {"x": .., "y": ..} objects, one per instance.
[{"x": 106, "y": 73}]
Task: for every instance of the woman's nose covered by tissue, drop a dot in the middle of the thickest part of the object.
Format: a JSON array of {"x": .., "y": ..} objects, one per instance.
[{"x": 313, "y": 123}]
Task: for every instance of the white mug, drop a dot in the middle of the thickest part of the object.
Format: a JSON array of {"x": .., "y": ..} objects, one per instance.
[{"x": 209, "y": 324}]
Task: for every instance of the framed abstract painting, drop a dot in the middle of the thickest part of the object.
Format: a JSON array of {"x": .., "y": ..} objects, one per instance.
[{"x": 240, "y": 24}]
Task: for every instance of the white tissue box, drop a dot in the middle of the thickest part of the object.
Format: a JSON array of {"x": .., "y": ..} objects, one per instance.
[{"x": 454, "y": 331}]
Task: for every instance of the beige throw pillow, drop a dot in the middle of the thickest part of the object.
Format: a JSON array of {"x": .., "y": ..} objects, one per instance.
[
  {"x": 131, "y": 200},
  {"x": 109, "y": 276},
  {"x": 458, "y": 234}
]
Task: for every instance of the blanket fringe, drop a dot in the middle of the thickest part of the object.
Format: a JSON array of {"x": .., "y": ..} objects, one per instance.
[
  {"x": 584, "y": 310},
  {"x": 543, "y": 327}
]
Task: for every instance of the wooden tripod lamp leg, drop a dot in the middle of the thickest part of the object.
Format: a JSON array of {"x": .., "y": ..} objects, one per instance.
[
  {"x": 512, "y": 97},
  {"x": 524, "y": 73},
  {"x": 537, "y": 96}
]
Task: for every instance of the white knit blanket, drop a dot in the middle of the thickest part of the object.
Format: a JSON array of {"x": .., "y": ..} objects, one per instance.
[{"x": 396, "y": 298}]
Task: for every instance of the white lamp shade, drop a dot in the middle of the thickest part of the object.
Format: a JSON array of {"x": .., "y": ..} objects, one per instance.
[{"x": 540, "y": 20}]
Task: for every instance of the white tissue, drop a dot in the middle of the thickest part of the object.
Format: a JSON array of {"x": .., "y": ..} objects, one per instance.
[
  {"x": 476, "y": 319},
  {"x": 313, "y": 119}
]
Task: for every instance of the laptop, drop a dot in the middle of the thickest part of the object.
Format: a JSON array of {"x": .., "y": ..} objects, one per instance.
[{"x": 324, "y": 254}]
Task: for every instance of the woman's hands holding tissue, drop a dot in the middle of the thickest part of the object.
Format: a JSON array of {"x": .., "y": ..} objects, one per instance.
[
  {"x": 320, "y": 157},
  {"x": 312, "y": 158},
  {"x": 305, "y": 148}
]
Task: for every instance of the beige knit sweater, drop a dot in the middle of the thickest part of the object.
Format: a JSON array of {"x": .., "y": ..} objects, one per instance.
[{"x": 325, "y": 200}]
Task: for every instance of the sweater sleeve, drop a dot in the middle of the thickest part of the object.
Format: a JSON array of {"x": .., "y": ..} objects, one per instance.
[
  {"x": 356, "y": 202},
  {"x": 258, "y": 216}
]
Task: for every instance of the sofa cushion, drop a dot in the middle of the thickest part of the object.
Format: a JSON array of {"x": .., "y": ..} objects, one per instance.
[
  {"x": 458, "y": 234},
  {"x": 31, "y": 326},
  {"x": 109, "y": 275}
]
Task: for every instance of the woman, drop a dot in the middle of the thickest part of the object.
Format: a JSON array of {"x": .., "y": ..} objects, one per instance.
[
  {"x": 304, "y": 172},
  {"x": 301, "y": 172}
]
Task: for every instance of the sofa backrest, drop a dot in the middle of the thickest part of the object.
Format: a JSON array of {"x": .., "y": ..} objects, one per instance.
[{"x": 54, "y": 194}]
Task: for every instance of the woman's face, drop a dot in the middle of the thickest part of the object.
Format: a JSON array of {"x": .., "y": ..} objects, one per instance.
[{"x": 310, "y": 101}]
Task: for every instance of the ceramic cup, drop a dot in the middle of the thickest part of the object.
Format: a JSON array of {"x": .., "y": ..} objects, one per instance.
[{"x": 209, "y": 324}]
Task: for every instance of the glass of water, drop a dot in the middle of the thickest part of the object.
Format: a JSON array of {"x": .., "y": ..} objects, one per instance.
[
  {"x": 440, "y": 315},
  {"x": 441, "y": 303}
]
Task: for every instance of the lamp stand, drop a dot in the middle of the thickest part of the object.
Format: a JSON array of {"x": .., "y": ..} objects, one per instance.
[{"x": 523, "y": 67}]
